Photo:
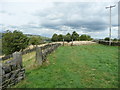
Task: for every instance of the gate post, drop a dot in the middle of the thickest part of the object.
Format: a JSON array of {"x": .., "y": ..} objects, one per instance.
[{"x": 17, "y": 58}]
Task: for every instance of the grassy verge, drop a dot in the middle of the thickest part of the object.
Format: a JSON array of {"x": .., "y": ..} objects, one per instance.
[{"x": 85, "y": 66}]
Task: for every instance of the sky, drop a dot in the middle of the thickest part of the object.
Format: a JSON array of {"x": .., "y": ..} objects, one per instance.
[{"x": 59, "y": 16}]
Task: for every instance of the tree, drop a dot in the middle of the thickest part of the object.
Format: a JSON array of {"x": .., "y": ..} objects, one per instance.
[
  {"x": 68, "y": 37},
  {"x": 85, "y": 37},
  {"x": 54, "y": 38},
  {"x": 75, "y": 36},
  {"x": 13, "y": 41},
  {"x": 119, "y": 40},
  {"x": 115, "y": 39},
  {"x": 60, "y": 37},
  {"x": 35, "y": 40},
  {"x": 107, "y": 39}
]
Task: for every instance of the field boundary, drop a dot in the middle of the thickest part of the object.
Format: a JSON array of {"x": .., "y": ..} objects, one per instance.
[{"x": 12, "y": 71}]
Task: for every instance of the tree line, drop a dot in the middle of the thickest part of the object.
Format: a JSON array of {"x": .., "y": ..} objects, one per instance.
[
  {"x": 69, "y": 37},
  {"x": 108, "y": 39},
  {"x": 16, "y": 41}
]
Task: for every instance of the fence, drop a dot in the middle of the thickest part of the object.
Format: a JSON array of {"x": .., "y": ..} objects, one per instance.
[
  {"x": 12, "y": 71},
  {"x": 107, "y": 43},
  {"x": 23, "y": 52},
  {"x": 42, "y": 52}
]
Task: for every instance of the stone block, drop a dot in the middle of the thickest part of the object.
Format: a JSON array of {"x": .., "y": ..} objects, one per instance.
[
  {"x": 17, "y": 57},
  {"x": 13, "y": 67},
  {"x": 6, "y": 69},
  {"x": 7, "y": 76},
  {"x": 39, "y": 55}
]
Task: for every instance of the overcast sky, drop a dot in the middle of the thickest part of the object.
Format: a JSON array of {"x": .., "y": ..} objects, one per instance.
[{"x": 49, "y": 17}]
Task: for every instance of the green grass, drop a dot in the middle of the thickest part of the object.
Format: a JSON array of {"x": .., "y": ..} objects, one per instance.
[{"x": 85, "y": 66}]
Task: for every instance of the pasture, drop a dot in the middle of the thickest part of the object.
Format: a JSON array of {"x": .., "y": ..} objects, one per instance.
[{"x": 84, "y": 66}]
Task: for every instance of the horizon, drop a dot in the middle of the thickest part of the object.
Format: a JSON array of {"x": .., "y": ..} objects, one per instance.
[{"x": 57, "y": 34}]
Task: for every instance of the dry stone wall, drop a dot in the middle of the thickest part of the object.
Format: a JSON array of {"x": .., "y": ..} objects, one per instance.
[
  {"x": 43, "y": 51},
  {"x": 107, "y": 43},
  {"x": 12, "y": 71},
  {"x": 23, "y": 52}
]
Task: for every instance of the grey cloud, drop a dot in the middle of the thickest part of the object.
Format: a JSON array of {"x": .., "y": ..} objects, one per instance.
[
  {"x": 65, "y": 17},
  {"x": 29, "y": 27},
  {"x": 94, "y": 19},
  {"x": 21, "y": 27}
]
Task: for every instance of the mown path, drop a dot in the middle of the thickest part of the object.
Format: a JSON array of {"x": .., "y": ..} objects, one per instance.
[{"x": 85, "y": 66}]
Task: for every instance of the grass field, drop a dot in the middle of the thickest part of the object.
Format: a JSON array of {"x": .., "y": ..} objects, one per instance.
[{"x": 85, "y": 66}]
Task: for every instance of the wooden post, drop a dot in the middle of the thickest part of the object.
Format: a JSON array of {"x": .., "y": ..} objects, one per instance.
[
  {"x": 17, "y": 58},
  {"x": 39, "y": 55},
  {"x": 63, "y": 41},
  {"x": 72, "y": 43}
]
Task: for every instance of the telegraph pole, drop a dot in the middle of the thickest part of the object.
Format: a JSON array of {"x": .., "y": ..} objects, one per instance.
[{"x": 110, "y": 23}]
